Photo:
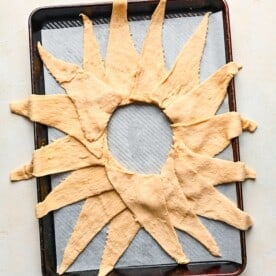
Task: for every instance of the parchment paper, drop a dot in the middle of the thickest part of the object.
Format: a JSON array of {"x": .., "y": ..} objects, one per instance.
[{"x": 129, "y": 140}]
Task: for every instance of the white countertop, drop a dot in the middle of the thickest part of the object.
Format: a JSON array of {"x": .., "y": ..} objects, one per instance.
[{"x": 254, "y": 44}]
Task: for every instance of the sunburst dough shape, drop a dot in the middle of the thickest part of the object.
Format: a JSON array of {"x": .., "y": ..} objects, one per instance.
[{"x": 159, "y": 203}]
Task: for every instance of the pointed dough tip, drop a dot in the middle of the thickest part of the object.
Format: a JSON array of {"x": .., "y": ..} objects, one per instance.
[
  {"x": 249, "y": 222},
  {"x": 62, "y": 268},
  {"x": 13, "y": 107},
  {"x": 246, "y": 222},
  {"x": 215, "y": 251},
  {"x": 84, "y": 17},
  {"x": 239, "y": 66},
  {"x": 104, "y": 270},
  {"x": 20, "y": 107},
  {"x": 22, "y": 173},
  {"x": 40, "y": 48},
  {"x": 233, "y": 67},
  {"x": 12, "y": 177},
  {"x": 40, "y": 210},
  {"x": 249, "y": 173},
  {"x": 183, "y": 260},
  {"x": 249, "y": 125}
]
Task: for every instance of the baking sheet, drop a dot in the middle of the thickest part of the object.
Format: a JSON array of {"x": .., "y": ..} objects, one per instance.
[{"x": 66, "y": 43}]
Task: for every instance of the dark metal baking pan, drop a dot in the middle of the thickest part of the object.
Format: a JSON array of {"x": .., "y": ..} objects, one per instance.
[{"x": 37, "y": 21}]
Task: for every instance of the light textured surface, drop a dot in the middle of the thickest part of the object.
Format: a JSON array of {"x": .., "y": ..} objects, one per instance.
[
  {"x": 143, "y": 152},
  {"x": 253, "y": 45}
]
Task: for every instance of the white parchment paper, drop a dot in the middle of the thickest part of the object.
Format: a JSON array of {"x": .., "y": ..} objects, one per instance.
[{"x": 131, "y": 145}]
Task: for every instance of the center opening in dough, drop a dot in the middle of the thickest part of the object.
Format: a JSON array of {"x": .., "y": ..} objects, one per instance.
[{"x": 139, "y": 136}]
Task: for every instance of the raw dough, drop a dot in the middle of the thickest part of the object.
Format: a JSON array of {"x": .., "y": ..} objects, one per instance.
[{"x": 157, "y": 202}]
